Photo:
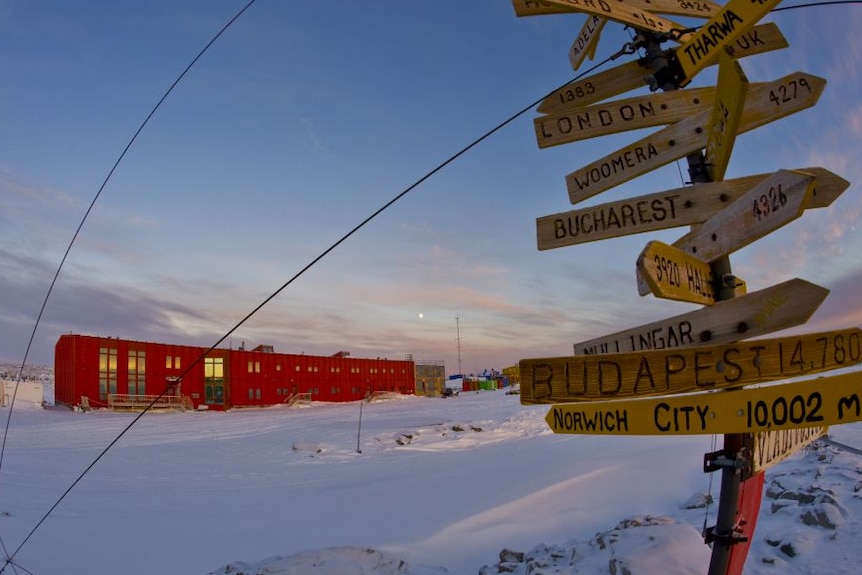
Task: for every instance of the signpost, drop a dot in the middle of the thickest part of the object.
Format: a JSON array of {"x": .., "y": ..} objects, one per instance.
[
  {"x": 771, "y": 204},
  {"x": 812, "y": 403},
  {"x": 687, "y": 369},
  {"x": 757, "y": 313},
  {"x": 723, "y": 28},
  {"x": 770, "y": 447},
  {"x": 670, "y": 273},
  {"x": 632, "y": 75},
  {"x": 726, "y": 115},
  {"x": 624, "y": 12},
  {"x": 764, "y": 104}
]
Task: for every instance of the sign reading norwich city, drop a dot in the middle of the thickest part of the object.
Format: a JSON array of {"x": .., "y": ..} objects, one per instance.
[
  {"x": 817, "y": 402},
  {"x": 685, "y": 370}
]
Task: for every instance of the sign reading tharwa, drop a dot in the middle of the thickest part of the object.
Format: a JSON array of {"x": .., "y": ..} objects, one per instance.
[
  {"x": 778, "y": 307},
  {"x": 811, "y": 403},
  {"x": 685, "y": 370}
]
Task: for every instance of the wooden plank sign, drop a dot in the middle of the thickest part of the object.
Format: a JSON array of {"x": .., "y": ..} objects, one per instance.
[
  {"x": 770, "y": 447},
  {"x": 726, "y": 114},
  {"x": 670, "y": 273},
  {"x": 723, "y": 28},
  {"x": 686, "y": 370},
  {"x": 586, "y": 41},
  {"x": 623, "y": 12},
  {"x": 816, "y": 402},
  {"x": 763, "y": 104},
  {"x": 697, "y": 9},
  {"x": 765, "y": 311},
  {"x": 616, "y": 116},
  {"x": 773, "y": 203},
  {"x": 633, "y": 75},
  {"x": 686, "y": 206}
]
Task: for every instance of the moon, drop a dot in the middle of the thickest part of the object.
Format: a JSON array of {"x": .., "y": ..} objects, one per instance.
[{"x": 421, "y": 315}]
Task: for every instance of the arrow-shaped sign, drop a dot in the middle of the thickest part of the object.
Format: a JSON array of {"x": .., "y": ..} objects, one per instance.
[
  {"x": 686, "y": 370},
  {"x": 731, "y": 89},
  {"x": 657, "y": 109},
  {"x": 632, "y": 75},
  {"x": 697, "y": 8},
  {"x": 625, "y": 13},
  {"x": 811, "y": 403},
  {"x": 770, "y": 447},
  {"x": 586, "y": 41},
  {"x": 773, "y": 203},
  {"x": 664, "y": 210},
  {"x": 670, "y": 273},
  {"x": 757, "y": 313},
  {"x": 703, "y": 47},
  {"x": 764, "y": 104}
]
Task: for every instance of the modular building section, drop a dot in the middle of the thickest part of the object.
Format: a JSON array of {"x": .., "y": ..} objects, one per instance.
[{"x": 104, "y": 369}]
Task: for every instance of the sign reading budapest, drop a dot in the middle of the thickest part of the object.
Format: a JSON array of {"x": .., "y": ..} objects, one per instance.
[{"x": 685, "y": 370}]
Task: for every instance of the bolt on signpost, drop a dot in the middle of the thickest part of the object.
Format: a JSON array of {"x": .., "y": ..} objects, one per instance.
[{"x": 630, "y": 382}]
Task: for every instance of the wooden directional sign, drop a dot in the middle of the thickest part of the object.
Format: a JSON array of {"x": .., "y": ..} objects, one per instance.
[
  {"x": 772, "y": 309},
  {"x": 726, "y": 115},
  {"x": 624, "y": 12},
  {"x": 586, "y": 41},
  {"x": 616, "y": 116},
  {"x": 696, "y": 8},
  {"x": 763, "y": 104},
  {"x": 686, "y": 206},
  {"x": 685, "y": 370},
  {"x": 723, "y": 28},
  {"x": 670, "y": 273},
  {"x": 776, "y": 201},
  {"x": 767, "y": 448},
  {"x": 811, "y": 403},
  {"x": 632, "y": 75}
]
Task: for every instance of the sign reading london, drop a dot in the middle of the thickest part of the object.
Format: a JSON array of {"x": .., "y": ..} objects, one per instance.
[
  {"x": 811, "y": 403},
  {"x": 685, "y": 370}
]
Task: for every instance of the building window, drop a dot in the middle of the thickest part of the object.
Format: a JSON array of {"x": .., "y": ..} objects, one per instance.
[
  {"x": 107, "y": 372},
  {"x": 278, "y": 367},
  {"x": 250, "y": 393},
  {"x": 137, "y": 372},
  {"x": 169, "y": 362},
  {"x": 254, "y": 367},
  {"x": 177, "y": 362},
  {"x": 214, "y": 380},
  {"x": 257, "y": 394},
  {"x": 297, "y": 368}
]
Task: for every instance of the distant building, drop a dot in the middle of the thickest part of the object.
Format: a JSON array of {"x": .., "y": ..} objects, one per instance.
[
  {"x": 430, "y": 378},
  {"x": 110, "y": 372}
]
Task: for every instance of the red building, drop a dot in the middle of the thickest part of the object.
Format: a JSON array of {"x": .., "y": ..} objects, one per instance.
[{"x": 122, "y": 373}]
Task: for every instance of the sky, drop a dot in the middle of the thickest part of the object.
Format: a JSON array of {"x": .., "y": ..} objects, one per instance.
[
  {"x": 441, "y": 486},
  {"x": 302, "y": 120}
]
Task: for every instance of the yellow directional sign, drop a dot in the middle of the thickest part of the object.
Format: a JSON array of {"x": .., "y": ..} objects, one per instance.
[
  {"x": 694, "y": 8},
  {"x": 776, "y": 201},
  {"x": 586, "y": 41},
  {"x": 685, "y": 370},
  {"x": 723, "y": 28},
  {"x": 623, "y": 12},
  {"x": 763, "y": 104},
  {"x": 605, "y": 118},
  {"x": 811, "y": 403},
  {"x": 765, "y": 311},
  {"x": 632, "y": 75},
  {"x": 670, "y": 273},
  {"x": 766, "y": 448},
  {"x": 726, "y": 114},
  {"x": 686, "y": 206}
]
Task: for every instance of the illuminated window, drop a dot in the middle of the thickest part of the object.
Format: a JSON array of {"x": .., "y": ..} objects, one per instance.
[
  {"x": 107, "y": 372},
  {"x": 278, "y": 367},
  {"x": 137, "y": 372},
  {"x": 254, "y": 367},
  {"x": 214, "y": 380},
  {"x": 169, "y": 362}
]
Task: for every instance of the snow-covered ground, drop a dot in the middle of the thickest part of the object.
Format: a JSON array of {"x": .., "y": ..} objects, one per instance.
[{"x": 465, "y": 485}]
